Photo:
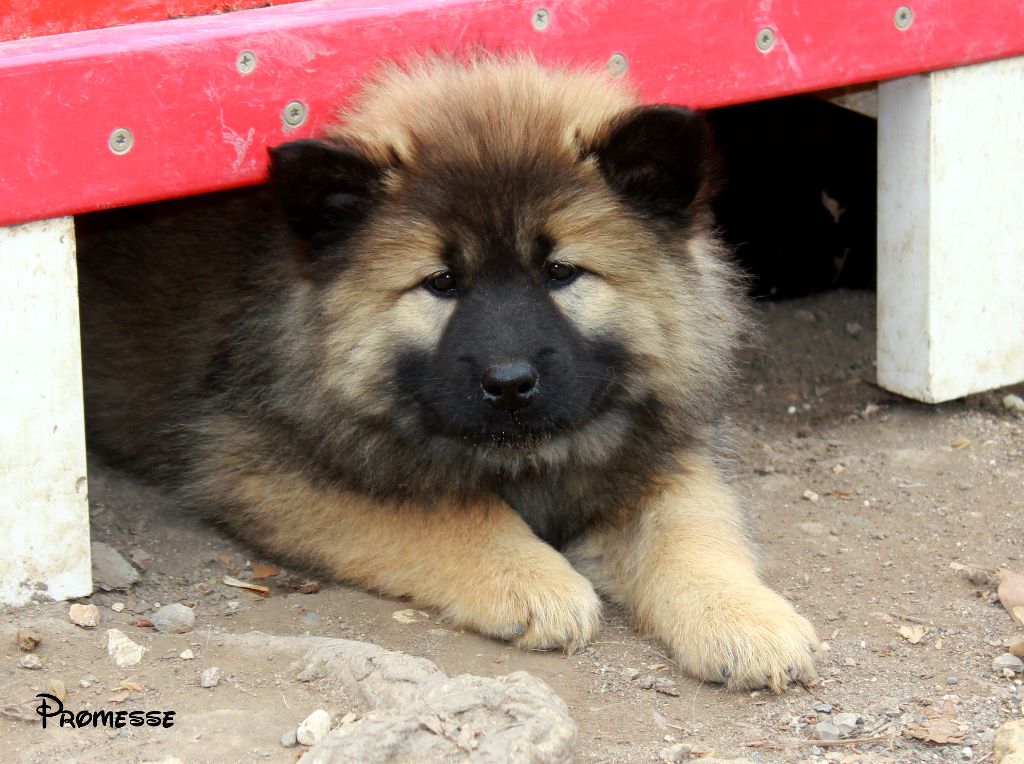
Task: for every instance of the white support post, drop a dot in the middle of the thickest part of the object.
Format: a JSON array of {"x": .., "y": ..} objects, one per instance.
[
  {"x": 44, "y": 512},
  {"x": 951, "y": 231}
]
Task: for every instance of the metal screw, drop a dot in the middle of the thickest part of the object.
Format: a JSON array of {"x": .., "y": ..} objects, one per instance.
[
  {"x": 246, "y": 61},
  {"x": 541, "y": 18},
  {"x": 617, "y": 65},
  {"x": 904, "y": 17},
  {"x": 121, "y": 140},
  {"x": 766, "y": 39},
  {"x": 295, "y": 113}
]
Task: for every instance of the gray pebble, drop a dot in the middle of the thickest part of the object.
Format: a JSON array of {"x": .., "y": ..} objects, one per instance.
[
  {"x": 30, "y": 662},
  {"x": 1008, "y": 661},
  {"x": 314, "y": 728},
  {"x": 666, "y": 687},
  {"x": 675, "y": 753},
  {"x": 109, "y": 569},
  {"x": 951, "y": 680},
  {"x": 645, "y": 682},
  {"x": 174, "y": 619},
  {"x": 846, "y": 723},
  {"x": 210, "y": 677},
  {"x": 1014, "y": 403},
  {"x": 853, "y": 328},
  {"x": 823, "y": 708},
  {"x": 826, "y": 731},
  {"x": 887, "y": 706},
  {"x": 289, "y": 739}
]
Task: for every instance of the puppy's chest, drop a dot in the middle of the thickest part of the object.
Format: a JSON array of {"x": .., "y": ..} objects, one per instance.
[{"x": 556, "y": 509}]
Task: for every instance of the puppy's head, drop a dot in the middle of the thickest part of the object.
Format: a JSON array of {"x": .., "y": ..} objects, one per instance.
[{"x": 511, "y": 265}]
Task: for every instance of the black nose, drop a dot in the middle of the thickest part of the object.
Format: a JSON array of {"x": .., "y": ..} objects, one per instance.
[{"x": 509, "y": 386}]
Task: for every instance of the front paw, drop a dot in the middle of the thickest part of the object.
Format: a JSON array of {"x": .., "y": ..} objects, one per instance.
[
  {"x": 537, "y": 601},
  {"x": 745, "y": 638}
]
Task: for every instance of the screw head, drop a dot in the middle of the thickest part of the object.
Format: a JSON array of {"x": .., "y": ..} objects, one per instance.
[
  {"x": 617, "y": 65},
  {"x": 246, "y": 61},
  {"x": 541, "y": 18},
  {"x": 903, "y": 17},
  {"x": 295, "y": 113},
  {"x": 121, "y": 140},
  {"x": 766, "y": 39}
]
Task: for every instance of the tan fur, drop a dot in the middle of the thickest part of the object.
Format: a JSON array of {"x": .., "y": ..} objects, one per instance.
[
  {"x": 684, "y": 567},
  {"x": 485, "y": 569}
]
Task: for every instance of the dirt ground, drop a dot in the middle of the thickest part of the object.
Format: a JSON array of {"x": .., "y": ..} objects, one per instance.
[{"x": 902, "y": 490}]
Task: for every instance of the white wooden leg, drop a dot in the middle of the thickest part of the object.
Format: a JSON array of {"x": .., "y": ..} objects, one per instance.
[
  {"x": 44, "y": 514},
  {"x": 951, "y": 231}
]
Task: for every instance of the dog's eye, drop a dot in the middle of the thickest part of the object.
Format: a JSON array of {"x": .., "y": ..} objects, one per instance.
[
  {"x": 443, "y": 284},
  {"x": 560, "y": 274}
]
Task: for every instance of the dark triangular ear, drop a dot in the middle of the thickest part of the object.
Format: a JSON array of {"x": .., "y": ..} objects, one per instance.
[
  {"x": 655, "y": 158},
  {"x": 325, "y": 189}
]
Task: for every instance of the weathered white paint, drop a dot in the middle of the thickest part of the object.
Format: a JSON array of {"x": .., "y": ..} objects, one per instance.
[
  {"x": 44, "y": 515},
  {"x": 951, "y": 231}
]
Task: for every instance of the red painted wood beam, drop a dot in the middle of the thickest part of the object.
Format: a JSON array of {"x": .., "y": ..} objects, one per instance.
[
  {"x": 35, "y": 18},
  {"x": 199, "y": 121}
]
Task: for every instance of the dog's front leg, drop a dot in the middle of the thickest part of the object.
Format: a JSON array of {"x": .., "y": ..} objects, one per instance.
[
  {"x": 682, "y": 563},
  {"x": 477, "y": 562}
]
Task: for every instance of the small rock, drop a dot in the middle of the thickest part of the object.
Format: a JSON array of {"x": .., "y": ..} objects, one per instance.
[
  {"x": 846, "y": 723},
  {"x": 174, "y": 619},
  {"x": 27, "y": 640},
  {"x": 1015, "y": 646},
  {"x": 645, "y": 682},
  {"x": 314, "y": 728},
  {"x": 110, "y": 570},
  {"x": 30, "y": 662},
  {"x": 951, "y": 680},
  {"x": 853, "y": 328},
  {"x": 410, "y": 616},
  {"x": 187, "y": 654},
  {"x": 124, "y": 652},
  {"x": 57, "y": 688},
  {"x": 675, "y": 753},
  {"x": 666, "y": 687},
  {"x": 210, "y": 677},
  {"x": 813, "y": 529},
  {"x": 289, "y": 739},
  {"x": 823, "y": 708},
  {"x": 1014, "y": 403},
  {"x": 805, "y": 316},
  {"x": 86, "y": 616},
  {"x": 141, "y": 557},
  {"x": 1009, "y": 742},
  {"x": 826, "y": 731},
  {"x": 117, "y": 607},
  {"x": 804, "y": 431},
  {"x": 967, "y": 752},
  {"x": 630, "y": 673},
  {"x": 1008, "y": 661},
  {"x": 810, "y": 495}
]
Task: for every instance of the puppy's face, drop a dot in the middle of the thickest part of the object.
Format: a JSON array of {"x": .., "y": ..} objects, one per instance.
[{"x": 502, "y": 292}]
